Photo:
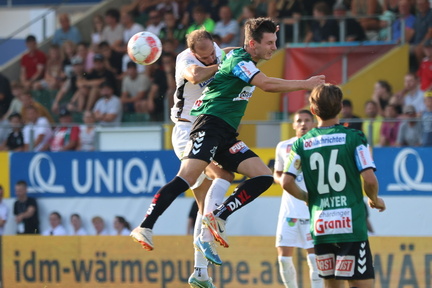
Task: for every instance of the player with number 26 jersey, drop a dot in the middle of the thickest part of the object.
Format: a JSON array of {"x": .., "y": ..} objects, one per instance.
[{"x": 336, "y": 208}]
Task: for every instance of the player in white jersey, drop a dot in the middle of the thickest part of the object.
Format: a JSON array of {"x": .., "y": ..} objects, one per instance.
[
  {"x": 293, "y": 229},
  {"x": 195, "y": 68}
]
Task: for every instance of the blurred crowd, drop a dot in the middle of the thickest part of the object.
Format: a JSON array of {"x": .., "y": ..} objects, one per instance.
[
  {"x": 95, "y": 83},
  {"x": 25, "y": 212}
]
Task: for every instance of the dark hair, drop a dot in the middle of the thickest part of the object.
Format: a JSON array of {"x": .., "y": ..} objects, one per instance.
[
  {"x": 30, "y": 38},
  {"x": 371, "y": 102},
  {"x": 15, "y": 115},
  {"x": 256, "y": 27},
  {"x": 322, "y": 7},
  {"x": 346, "y": 103},
  {"x": 131, "y": 64},
  {"x": 304, "y": 111},
  {"x": 123, "y": 221},
  {"x": 386, "y": 85},
  {"x": 103, "y": 44},
  {"x": 199, "y": 9},
  {"x": 326, "y": 101},
  {"x": 114, "y": 13},
  {"x": 21, "y": 182},
  {"x": 57, "y": 214}
]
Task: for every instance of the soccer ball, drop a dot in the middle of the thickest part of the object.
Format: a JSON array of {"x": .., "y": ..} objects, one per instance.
[{"x": 144, "y": 48}]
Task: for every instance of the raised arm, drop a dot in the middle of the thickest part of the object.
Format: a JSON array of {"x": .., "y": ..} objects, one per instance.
[{"x": 272, "y": 84}]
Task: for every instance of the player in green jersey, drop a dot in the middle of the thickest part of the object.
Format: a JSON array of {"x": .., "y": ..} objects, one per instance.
[
  {"x": 334, "y": 160},
  {"x": 213, "y": 135}
]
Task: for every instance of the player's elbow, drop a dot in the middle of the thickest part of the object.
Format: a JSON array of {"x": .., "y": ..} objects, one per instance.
[{"x": 287, "y": 181}]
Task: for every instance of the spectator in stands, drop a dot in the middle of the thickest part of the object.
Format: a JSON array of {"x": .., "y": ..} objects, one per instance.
[
  {"x": 77, "y": 228},
  {"x": 5, "y": 95},
  {"x": 98, "y": 27},
  {"x": 163, "y": 83},
  {"x": 423, "y": 31},
  {"x": 16, "y": 103},
  {"x": 86, "y": 55},
  {"x": 381, "y": 95},
  {"x": 56, "y": 227},
  {"x": 188, "y": 18},
  {"x": 248, "y": 11},
  {"x": 66, "y": 31},
  {"x": 390, "y": 127},
  {"x": 411, "y": 93},
  {"x": 113, "y": 30},
  {"x": 287, "y": 14},
  {"x": 410, "y": 130},
  {"x": 15, "y": 139},
  {"x": 66, "y": 135},
  {"x": 227, "y": 28},
  {"x": 27, "y": 101},
  {"x": 425, "y": 70},
  {"x": 113, "y": 59},
  {"x": 4, "y": 212},
  {"x": 87, "y": 132},
  {"x": 69, "y": 50},
  {"x": 130, "y": 29},
  {"x": 426, "y": 120},
  {"x": 99, "y": 226},
  {"x": 154, "y": 23},
  {"x": 322, "y": 29},
  {"x": 53, "y": 76},
  {"x": 169, "y": 6},
  {"x": 348, "y": 118},
  {"x": 37, "y": 131},
  {"x": 368, "y": 11},
  {"x": 25, "y": 210},
  {"x": 70, "y": 85},
  {"x": 353, "y": 30},
  {"x": 32, "y": 63},
  {"x": 201, "y": 19},
  {"x": 408, "y": 19},
  {"x": 141, "y": 9},
  {"x": 173, "y": 31},
  {"x": 121, "y": 226},
  {"x": 372, "y": 125},
  {"x": 135, "y": 88},
  {"x": 88, "y": 87},
  {"x": 108, "y": 109},
  {"x": 236, "y": 6}
]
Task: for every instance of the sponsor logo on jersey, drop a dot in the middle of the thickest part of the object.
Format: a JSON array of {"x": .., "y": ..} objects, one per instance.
[
  {"x": 324, "y": 140},
  {"x": 325, "y": 264},
  {"x": 239, "y": 147},
  {"x": 245, "y": 94},
  {"x": 336, "y": 221},
  {"x": 197, "y": 104},
  {"x": 345, "y": 266},
  {"x": 247, "y": 68},
  {"x": 205, "y": 83}
]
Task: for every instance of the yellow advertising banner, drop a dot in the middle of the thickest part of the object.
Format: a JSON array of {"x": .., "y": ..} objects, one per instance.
[
  {"x": 4, "y": 173},
  {"x": 115, "y": 261},
  {"x": 268, "y": 157}
]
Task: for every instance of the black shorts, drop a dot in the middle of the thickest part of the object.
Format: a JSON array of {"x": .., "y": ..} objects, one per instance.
[
  {"x": 213, "y": 139},
  {"x": 345, "y": 261}
]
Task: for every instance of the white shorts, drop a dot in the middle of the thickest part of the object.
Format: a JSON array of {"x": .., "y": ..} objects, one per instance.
[
  {"x": 294, "y": 232},
  {"x": 179, "y": 139}
]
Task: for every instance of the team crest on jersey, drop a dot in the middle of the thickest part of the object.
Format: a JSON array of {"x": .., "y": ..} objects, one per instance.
[{"x": 297, "y": 164}]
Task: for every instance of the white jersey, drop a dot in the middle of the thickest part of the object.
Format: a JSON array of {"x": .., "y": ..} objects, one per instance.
[
  {"x": 290, "y": 206},
  {"x": 186, "y": 93}
]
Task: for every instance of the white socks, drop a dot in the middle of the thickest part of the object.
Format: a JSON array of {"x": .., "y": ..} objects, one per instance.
[
  {"x": 200, "y": 260},
  {"x": 287, "y": 271},
  {"x": 316, "y": 281},
  {"x": 214, "y": 198}
]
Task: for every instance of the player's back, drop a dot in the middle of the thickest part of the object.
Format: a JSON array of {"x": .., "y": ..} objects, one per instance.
[{"x": 332, "y": 159}]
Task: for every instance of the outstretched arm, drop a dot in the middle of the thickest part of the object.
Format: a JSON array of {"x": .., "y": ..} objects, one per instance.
[{"x": 272, "y": 84}]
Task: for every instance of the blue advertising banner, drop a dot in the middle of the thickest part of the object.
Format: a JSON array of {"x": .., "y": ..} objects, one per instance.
[
  {"x": 112, "y": 174},
  {"x": 404, "y": 171}
]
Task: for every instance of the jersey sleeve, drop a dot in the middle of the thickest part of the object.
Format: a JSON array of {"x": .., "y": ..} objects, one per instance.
[
  {"x": 245, "y": 70},
  {"x": 293, "y": 164},
  {"x": 362, "y": 154},
  {"x": 279, "y": 161}
]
